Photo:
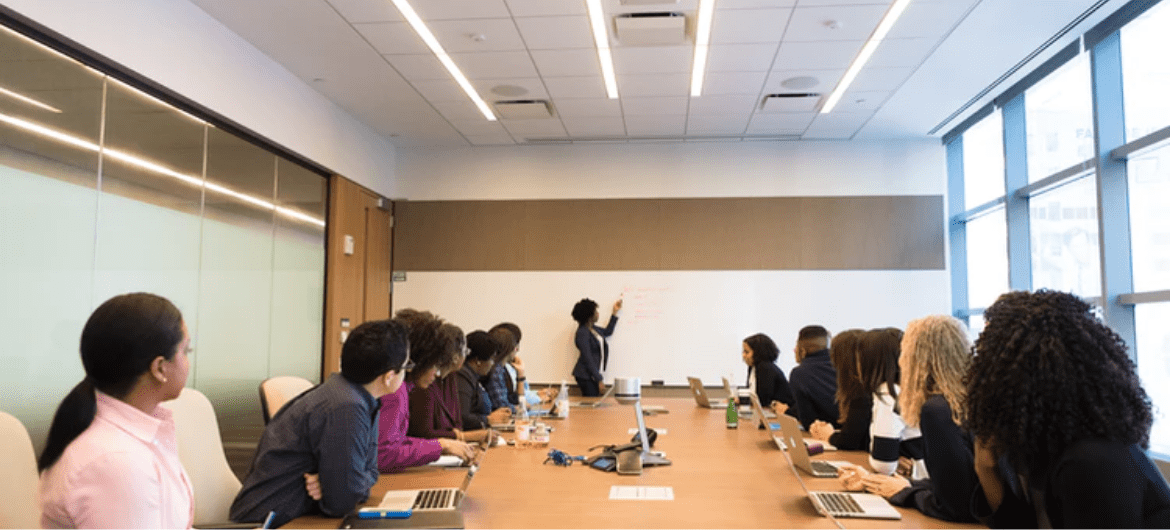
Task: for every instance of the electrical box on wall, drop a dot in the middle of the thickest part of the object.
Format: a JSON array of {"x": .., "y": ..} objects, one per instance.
[{"x": 348, "y": 245}]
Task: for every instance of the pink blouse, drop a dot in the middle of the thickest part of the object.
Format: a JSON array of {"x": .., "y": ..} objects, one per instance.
[{"x": 122, "y": 472}]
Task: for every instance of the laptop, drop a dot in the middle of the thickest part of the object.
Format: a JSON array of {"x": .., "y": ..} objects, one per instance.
[
  {"x": 772, "y": 427},
  {"x": 593, "y": 402},
  {"x": 407, "y": 504},
  {"x": 700, "y": 394},
  {"x": 856, "y": 505},
  {"x": 799, "y": 453}
]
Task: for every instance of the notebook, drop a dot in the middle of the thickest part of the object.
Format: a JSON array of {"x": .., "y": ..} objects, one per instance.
[
  {"x": 700, "y": 394},
  {"x": 799, "y": 452},
  {"x": 593, "y": 402},
  {"x": 857, "y": 505}
]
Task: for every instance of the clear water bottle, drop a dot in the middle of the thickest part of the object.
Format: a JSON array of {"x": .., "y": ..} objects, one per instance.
[{"x": 523, "y": 424}]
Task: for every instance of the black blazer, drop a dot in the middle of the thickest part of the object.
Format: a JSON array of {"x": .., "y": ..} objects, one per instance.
[
  {"x": 593, "y": 356},
  {"x": 471, "y": 405},
  {"x": 771, "y": 385}
]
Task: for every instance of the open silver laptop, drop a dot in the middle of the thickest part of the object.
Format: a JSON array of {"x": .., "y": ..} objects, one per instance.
[
  {"x": 701, "y": 398},
  {"x": 426, "y": 500},
  {"x": 790, "y": 434},
  {"x": 856, "y": 505},
  {"x": 592, "y": 402}
]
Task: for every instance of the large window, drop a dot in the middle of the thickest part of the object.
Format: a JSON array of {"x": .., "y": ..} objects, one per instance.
[
  {"x": 107, "y": 190},
  {"x": 1059, "y": 117},
  {"x": 987, "y": 259},
  {"x": 1065, "y": 253},
  {"x": 1153, "y": 360},
  {"x": 983, "y": 161},
  {"x": 1146, "y": 72},
  {"x": 1149, "y": 214}
]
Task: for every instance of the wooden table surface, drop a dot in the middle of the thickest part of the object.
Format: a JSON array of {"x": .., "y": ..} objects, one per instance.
[{"x": 721, "y": 478}]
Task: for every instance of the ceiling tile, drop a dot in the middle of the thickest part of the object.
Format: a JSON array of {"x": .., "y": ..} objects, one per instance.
[
  {"x": 496, "y": 34},
  {"x": 821, "y": 3},
  {"x": 836, "y": 125},
  {"x": 367, "y": 10},
  {"x": 454, "y": 111},
  {"x": 543, "y": 8},
  {"x": 440, "y": 90},
  {"x": 636, "y": 106},
  {"x": 392, "y": 37},
  {"x": 717, "y": 124},
  {"x": 861, "y": 101},
  {"x": 653, "y": 59},
  {"x": 593, "y": 107},
  {"x": 733, "y": 26},
  {"x": 901, "y": 52},
  {"x": 551, "y": 33},
  {"x": 653, "y": 85},
  {"x": 740, "y": 57},
  {"x": 780, "y": 122},
  {"x": 723, "y": 105},
  {"x": 595, "y": 126},
  {"x": 753, "y": 4},
  {"x": 495, "y": 65},
  {"x": 479, "y": 127},
  {"x": 534, "y": 128},
  {"x": 575, "y": 87},
  {"x": 491, "y": 139},
  {"x": 729, "y": 83},
  {"x": 616, "y": 6},
  {"x": 656, "y": 125},
  {"x": 532, "y": 86},
  {"x": 880, "y": 78},
  {"x": 816, "y": 55},
  {"x": 459, "y": 9},
  {"x": 852, "y": 22},
  {"x": 930, "y": 19},
  {"x": 565, "y": 63},
  {"x": 418, "y": 67},
  {"x": 828, "y": 80}
]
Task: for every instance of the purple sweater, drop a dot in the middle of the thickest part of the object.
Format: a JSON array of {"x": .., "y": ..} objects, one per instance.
[
  {"x": 396, "y": 450},
  {"x": 434, "y": 410}
]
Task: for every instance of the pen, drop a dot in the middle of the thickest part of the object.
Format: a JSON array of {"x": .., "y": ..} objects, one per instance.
[{"x": 268, "y": 520}]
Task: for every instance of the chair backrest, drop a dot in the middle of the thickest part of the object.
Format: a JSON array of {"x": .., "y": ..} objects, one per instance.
[
  {"x": 19, "y": 488},
  {"x": 276, "y": 391},
  {"x": 201, "y": 452}
]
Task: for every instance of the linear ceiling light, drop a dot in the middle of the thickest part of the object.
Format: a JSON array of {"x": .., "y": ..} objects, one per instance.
[
  {"x": 702, "y": 39},
  {"x": 153, "y": 167},
  {"x": 866, "y": 51},
  {"x": 425, "y": 34},
  {"x": 25, "y": 99},
  {"x": 601, "y": 37}
]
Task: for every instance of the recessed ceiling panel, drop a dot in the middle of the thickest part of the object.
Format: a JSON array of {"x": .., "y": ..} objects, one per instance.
[
  {"x": 477, "y": 35},
  {"x": 392, "y": 37},
  {"x": 593, "y": 107},
  {"x": 594, "y": 126},
  {"x": 731, "y": 83},
  {"x": 419, "y": 67},
  {"x": 723, "y": 105},
  {"x": 653, "y": 59},
  {"x": 544, "y": 8},
  {"x": 740, "y": 57},
  {"x": 495, "y": 65},
  {"x": 459, "y": 9},
  {"x": 554, "y": 33},
  {"x": 717, "y": 124},
  {"x": 653, "y": 85},
  {"x": 739, "y": 26},
  {"x": 367, "y": 10},
  {"x": 589, "y": 87},
  {"x": 834, "y": 23},
  {"x": 632, "y": 106},
  {"x": 567, "y": 63},
  {"x": 816, "y": 55},
  {"x": 656, "y": 125}
]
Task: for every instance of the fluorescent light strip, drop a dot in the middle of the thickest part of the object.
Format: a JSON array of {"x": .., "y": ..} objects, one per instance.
[
  {"x": 154, "y": 167},
  {"x": 601, "y": 37},
  {"x": 425, "y": 34},
  {"x": 25, "y": 99},
  {"x": 144, "y": 95},
  {"x": 702, "y": 40},
  {"x": 866, "y": 52}
]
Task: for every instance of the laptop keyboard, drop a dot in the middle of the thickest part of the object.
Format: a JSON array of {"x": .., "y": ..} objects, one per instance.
[
  {"x": 839, "y": 503},
  {"x": 432, "y": 499},
  {"x": 824, "y": 467}
]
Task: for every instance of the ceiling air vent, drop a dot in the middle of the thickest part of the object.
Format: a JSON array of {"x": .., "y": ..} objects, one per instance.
[
  {"x": 651, "y": 29},
  {"x": 795, "y": 102},
  {"x": 524, "y": 109}
]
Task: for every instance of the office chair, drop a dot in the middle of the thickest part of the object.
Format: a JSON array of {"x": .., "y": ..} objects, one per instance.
[
  {"x": 276, "y": 391},
  {"x": 19, "y": 489},
  {"x": 201, "y": 452}
]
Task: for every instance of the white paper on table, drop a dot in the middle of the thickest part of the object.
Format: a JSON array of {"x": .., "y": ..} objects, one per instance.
[
  {"x": 661, "y": 432},
  {"x": 641, "y": 493},
  {"x": 447, "y": 461}
]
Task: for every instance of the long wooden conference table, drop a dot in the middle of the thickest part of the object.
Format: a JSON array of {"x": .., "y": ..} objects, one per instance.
[{"x": 721, "y": 478}]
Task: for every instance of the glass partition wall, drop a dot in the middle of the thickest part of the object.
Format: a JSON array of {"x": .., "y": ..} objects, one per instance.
[{"x": 107, "y": 190}]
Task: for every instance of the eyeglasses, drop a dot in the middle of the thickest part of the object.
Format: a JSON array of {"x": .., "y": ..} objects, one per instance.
[{"x": 407, "y": 366}]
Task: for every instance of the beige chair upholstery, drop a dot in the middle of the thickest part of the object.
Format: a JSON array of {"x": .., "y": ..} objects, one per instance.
[
  {"x": 276, "y": 391},
  {"x": 201, "y": 452},
  {"x": 19, "y": 488}
]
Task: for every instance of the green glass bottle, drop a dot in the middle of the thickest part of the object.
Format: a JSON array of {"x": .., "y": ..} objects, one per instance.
[{"x": 732, "y": 415}]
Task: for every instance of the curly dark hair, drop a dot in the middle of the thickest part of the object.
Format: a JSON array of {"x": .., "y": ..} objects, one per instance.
[
  {"x": 1048, "y": 373},
  {"x": 764, "y": 349},
  {"x": 433, "y": 342},
  {"x": 584, "y": 310}
]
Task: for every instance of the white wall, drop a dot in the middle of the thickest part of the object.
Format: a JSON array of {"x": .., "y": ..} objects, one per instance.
[
  {"x": 677, "y": 323},
  {"x": 177, "y": 45}
]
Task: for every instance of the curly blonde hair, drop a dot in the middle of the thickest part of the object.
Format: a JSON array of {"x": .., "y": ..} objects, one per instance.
[{"x": 936, "y": 354}]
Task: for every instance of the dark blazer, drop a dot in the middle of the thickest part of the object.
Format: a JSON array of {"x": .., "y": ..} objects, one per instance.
[
  {"x": 472, "y": 407},
  {"x": 950, "y": 460},
  {"x": 593, "y": 356},
  {"x": 771, "y": 385},
  {"x": 854, "y": 433},
  {"x": 814, "y": 387}
]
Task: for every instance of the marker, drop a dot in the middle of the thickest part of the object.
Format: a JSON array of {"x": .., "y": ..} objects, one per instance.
[{"x": 268, "y": 520}]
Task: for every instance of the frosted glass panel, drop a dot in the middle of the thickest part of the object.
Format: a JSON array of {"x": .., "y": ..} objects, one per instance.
[{"x": 298, "y": 285}]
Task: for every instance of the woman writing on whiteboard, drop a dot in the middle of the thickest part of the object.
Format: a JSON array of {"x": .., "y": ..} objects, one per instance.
[{"x": 590, "y": 341}]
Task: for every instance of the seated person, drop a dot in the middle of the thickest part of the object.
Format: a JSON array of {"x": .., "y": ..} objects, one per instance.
[
  {"x": 765, "y": 379},
  {"x": 854, "y": 404},
  {"x": 890, "y": 438},
  {"x": 396, "y": 449},
  {"x": 434, "y": 408},
  {"x": 111, "y": 460},
  {"x": 473, "y": 401},
  {"x": 813, "y": 380},
  {"x": 935, "y": 356},
  {"x": 330, "y": 431},
  {"x": 1061, "y": 421},
  {"x": 508, "y": 374}
]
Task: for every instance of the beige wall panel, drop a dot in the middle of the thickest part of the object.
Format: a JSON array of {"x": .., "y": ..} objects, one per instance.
[
  {"x": 592, "y": 235},
  {"x": 460, "y": 235}
]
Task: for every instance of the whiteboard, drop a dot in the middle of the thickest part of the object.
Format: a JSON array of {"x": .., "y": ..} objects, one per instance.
[{"x": 674, "y": 323}]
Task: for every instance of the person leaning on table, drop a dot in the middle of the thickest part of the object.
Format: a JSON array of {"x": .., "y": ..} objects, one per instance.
[{"x": 111, "y": 459}]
